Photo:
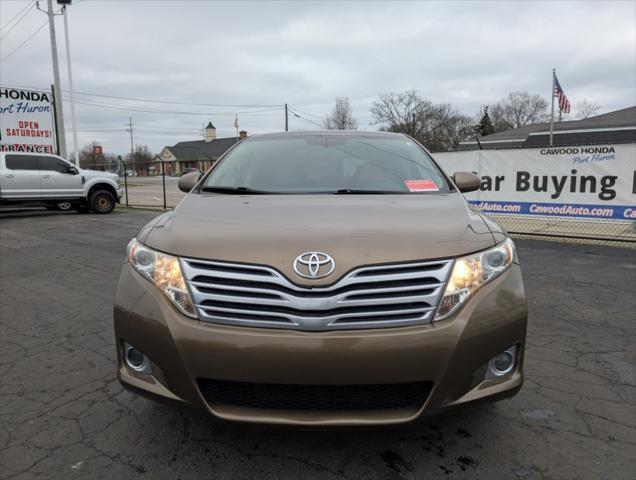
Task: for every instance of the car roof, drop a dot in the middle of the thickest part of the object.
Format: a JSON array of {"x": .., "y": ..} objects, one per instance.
[
  {"x": 325, "y": 133},
  {"x": 38, "y": 154}
]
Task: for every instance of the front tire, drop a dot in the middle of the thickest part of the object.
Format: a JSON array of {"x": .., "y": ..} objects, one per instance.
[{"x": 102, "y": 201}]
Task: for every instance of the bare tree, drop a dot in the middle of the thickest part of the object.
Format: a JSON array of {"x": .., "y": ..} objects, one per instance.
[
  {"x": 586, "y": 109},
  {"x": 437, "y": 127},
  {"x": 341, "y": 117},
  {"x": 143, "y": 158},
  {"x": 518, "y": 109},
  {"x": 89, "y": 158},
  {"x": 400, "y": 111}
]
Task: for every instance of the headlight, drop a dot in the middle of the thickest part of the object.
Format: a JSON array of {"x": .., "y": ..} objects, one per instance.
[
  {"x": 164, "y": 271},
  {"x": 471, "y": 272}
]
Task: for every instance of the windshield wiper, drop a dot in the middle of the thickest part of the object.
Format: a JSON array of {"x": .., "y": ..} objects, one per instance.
[
  {"x": 234, "y": 190},
  {"x": 351, "y": 191}
]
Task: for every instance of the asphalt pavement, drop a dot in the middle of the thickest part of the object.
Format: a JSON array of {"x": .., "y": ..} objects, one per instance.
[
  {"x": 63, "y": 415},
  {"x": 149, "y": 191}
]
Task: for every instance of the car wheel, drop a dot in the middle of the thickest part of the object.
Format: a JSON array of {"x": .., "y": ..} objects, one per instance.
[
  {"x": 65, "y": 206},
  {"x": 102, "y": 201}
]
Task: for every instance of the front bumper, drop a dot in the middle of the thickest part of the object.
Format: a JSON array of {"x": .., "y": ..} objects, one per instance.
[{"x": 451, "y": 355}]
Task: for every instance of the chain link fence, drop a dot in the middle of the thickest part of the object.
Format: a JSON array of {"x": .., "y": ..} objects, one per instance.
[
  {"x": 598, "y": 231},
  {"x": 143, "y": 190},
  {"x": 161, "y": 191}
]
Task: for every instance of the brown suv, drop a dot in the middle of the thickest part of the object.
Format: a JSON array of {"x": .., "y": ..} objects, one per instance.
[{"x": 324, "y": 278}]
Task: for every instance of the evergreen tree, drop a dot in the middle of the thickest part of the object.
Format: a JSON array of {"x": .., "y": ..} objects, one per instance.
[{"x": 485, "y": 125}]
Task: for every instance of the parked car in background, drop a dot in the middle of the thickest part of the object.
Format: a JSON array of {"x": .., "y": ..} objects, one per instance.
[
  {"x": 322, "y": 278},
  {"x": 49, "y": 180}
]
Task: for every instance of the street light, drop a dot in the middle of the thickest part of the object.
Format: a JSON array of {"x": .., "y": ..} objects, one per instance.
[{"x": 64, "y": 3}]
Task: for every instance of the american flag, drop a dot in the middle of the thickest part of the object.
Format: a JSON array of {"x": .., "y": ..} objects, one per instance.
[{"x": 564, "y": 103}]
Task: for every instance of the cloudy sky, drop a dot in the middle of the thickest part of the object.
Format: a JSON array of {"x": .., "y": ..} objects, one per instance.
[{"x": 215, "y": 59}]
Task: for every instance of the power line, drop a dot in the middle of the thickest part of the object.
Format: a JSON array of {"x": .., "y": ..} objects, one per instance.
[
  {"x": 310, "y": 114},
  {"x": 99, "y": 130},
  {"x": 25, "y": 9},
  {"x": 305, "y": 119},
  {"x": 268, "y": 108},
  {"x": 174, "y": 112},
  {"x": 28, "y": 38},
  {"x": 148, "y": 125},
  {"x": 158, "y": 129},
  {"x": 171, "y": 102}
]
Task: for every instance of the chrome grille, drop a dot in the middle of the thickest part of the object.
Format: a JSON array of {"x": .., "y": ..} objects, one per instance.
[{"x": 377, "y": 296}]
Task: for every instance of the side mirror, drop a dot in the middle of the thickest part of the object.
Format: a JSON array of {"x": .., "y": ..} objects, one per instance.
[
  {"x": 188, "y": 181},
  {"x": 467, "y": 181},
  {"x": 72, "y": 170}
]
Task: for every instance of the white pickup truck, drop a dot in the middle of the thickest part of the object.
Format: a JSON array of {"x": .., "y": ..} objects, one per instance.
[{"x": 49, "y": 180}]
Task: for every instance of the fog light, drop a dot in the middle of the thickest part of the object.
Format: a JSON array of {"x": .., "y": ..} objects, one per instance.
[
  {"x": 502, "y": 363},
  {"x": 135, "y": 360}
]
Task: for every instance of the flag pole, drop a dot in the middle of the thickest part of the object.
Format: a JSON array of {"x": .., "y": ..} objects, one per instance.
[{"x": 552, "y": 111}]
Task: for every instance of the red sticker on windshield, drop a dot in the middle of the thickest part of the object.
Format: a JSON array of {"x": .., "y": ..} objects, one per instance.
[{"x": 427, "y": 185}]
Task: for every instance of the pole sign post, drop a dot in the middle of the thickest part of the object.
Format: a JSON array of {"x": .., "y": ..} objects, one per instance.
[
  {"x": 26, "y": 121},
  {"x": 585, "y": 181}
]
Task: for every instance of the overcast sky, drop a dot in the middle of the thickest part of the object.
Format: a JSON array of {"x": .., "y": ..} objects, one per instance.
[{"x": 264, "y": 54}]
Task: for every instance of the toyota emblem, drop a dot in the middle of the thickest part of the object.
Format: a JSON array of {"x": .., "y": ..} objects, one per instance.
[{"x": 314, "y": 265}]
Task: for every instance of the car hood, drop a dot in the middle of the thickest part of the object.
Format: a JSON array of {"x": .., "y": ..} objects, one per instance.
[{"x": 354, "y": 229}]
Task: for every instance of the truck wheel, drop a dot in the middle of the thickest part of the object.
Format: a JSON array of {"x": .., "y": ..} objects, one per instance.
[{"x": 102, "y": 201}]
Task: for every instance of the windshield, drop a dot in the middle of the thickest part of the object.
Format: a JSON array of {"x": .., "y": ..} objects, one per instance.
[{"x": 327, "y": 164}]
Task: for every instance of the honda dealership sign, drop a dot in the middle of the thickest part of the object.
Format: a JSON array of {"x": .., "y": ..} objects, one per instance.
[
  {"x": 596, "y": 181},
  {"x": 26, "y": 121}
]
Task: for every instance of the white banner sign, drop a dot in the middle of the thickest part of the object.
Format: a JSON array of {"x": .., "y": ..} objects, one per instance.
[
  {"x": 26, "y": 121},
  {"x": 596, "y": 181}
]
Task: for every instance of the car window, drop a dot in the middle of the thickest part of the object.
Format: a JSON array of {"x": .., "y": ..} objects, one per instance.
[
  {"x": 53, "y": 164},
  {"x": 327, "y": 164},
  {"x": 21, "y": 162}
]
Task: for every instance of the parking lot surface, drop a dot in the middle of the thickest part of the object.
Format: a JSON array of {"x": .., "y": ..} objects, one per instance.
[
  {"x": 64, "y": 415},
  {"x": 149, "y": 191}
]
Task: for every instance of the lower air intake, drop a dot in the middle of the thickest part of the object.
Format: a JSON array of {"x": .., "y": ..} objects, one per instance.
[{"x": 396, "y": 396}]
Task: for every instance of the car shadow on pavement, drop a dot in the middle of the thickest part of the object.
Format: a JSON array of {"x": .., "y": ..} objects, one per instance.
[
  {"x": 32, "y": 212},
  {"x": 446, "y": 445}
]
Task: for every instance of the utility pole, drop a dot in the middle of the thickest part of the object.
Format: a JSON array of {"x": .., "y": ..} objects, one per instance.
[
  {"x": 59, "y": 115},
  {"x": 132, "y": 148},
  {"x": 286, "y": 119},
  {"x": 57, "y": 127},
  {"x": 70, "y": 83}
]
